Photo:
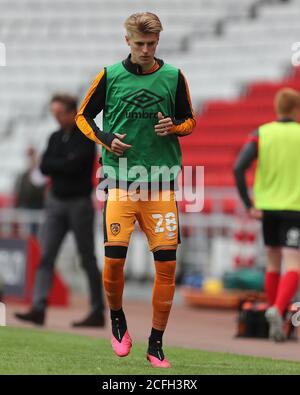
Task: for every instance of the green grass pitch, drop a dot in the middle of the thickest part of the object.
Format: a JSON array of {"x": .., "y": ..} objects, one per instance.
[{"x": 27, "y": 351}]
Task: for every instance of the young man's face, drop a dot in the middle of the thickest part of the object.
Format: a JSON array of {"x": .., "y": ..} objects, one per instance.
[{"x": 143, "y": 47}]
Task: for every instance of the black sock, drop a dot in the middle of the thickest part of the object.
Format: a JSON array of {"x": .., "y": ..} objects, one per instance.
[
  {"x": 118, "y": 323},
  {"x": 156, "y": 336},
  {"x": 155, "y": 344}
]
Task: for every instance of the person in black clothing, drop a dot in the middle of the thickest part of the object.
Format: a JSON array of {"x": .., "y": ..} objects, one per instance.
[
  {"x": 30, "y": 185},
  {"x": 30, "y": 188},
  {"x": 69, "y": 161}
]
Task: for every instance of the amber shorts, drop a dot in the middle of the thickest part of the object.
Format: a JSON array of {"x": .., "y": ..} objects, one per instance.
[{"x": 156, "y": 213}]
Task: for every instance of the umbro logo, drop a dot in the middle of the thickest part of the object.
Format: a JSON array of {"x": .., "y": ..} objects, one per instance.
[{"x": 143, "y": 98}]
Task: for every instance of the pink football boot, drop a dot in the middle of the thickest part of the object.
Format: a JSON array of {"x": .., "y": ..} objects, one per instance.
[
  {"x": 155, "y": 355},
  {"x": 157, "y": 363},
  {"x": 122, "y": 348}
]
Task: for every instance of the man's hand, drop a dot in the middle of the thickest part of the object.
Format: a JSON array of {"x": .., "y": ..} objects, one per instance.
[
  {"x": 164, "y": 125},
  {"x": 254, "y": 213},
  {"x": 117, "y": 146}
]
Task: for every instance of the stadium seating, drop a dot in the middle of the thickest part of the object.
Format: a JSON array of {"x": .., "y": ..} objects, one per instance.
[
  {"x": 62, "y": 44},
  {"x": 225, "y": 125}
]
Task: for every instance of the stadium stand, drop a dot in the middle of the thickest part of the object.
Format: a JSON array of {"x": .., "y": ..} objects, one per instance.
[
  {"x": 221, "y": 46},
  {"x": 235, "y": 55},
  {"x": 224, "y": 125}
]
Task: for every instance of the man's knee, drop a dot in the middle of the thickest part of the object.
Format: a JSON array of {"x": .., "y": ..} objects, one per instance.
[
  {"x": 165, "y": 265},
  {"x": 274, "y": 256},
  {"x": 113, "y": 271},
  {"x": 47, "y": 261},
  {"x": 89, "y": 262}
]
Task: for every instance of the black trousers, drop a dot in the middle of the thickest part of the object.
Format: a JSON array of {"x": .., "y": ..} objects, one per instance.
[{"x": 63, "y": 215}]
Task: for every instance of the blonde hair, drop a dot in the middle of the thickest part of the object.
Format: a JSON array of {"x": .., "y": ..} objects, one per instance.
[
  {"x": 143, "y": 22},
  {"x": 286, "y": 101}
]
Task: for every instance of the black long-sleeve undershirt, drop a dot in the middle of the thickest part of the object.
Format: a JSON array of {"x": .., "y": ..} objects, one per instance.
[{"x": 245, "y": 158}]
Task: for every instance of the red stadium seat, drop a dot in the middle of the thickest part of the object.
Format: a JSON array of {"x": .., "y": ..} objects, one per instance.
[{"x": 222, "y": 129}]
